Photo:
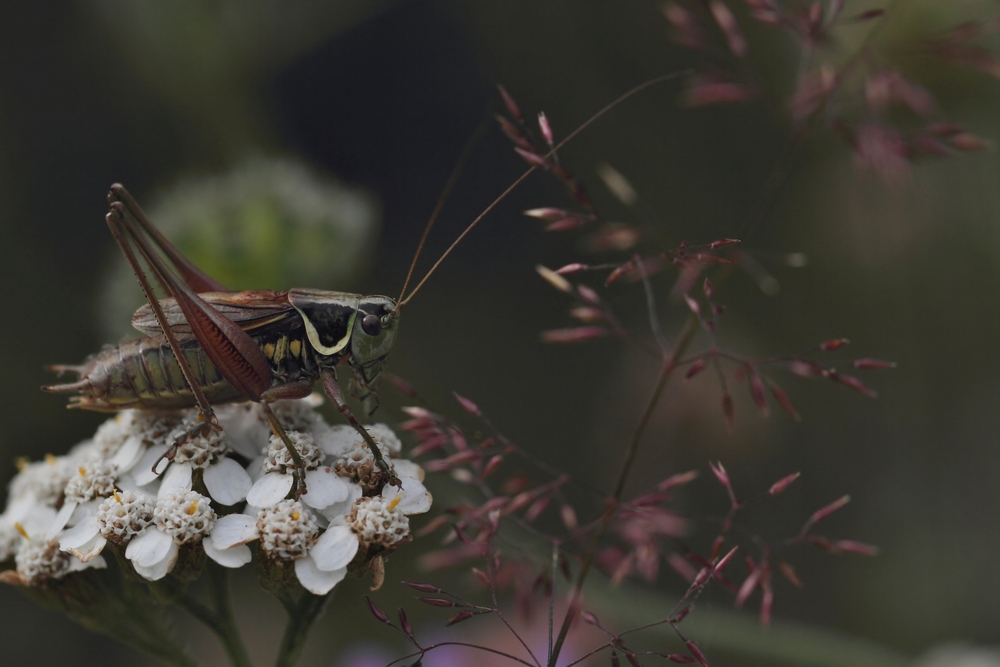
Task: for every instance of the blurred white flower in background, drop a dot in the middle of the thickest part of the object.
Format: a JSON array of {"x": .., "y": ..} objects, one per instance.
[{"x": 269, "y": 223}]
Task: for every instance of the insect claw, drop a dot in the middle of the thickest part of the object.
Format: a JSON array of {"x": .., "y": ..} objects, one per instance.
[
  {"x": 300, "y": 483},
  {"x": 170, "y": 453},
  {"x": 390, "y": 474}
]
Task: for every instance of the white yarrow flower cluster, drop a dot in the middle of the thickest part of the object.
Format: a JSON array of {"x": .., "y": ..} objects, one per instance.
[{"x": 220, "y": 493}]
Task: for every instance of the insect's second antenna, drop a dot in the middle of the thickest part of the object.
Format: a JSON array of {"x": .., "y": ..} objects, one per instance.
[
  {"x": 449, "y": 186},
  {"x": 521, "y": 179}
]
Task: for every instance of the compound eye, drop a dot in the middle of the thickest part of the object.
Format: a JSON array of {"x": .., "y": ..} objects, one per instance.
[{"x": 372, "y": 325}]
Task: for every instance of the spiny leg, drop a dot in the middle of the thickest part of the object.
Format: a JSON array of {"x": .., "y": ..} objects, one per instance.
[
  {"x": 284, "y": 391},
  {"x": 207, "y": 420},
  {"x": 194, "y": 277},
  {"x": 332, "y": 389},
  {"x": 226, "y": 344},
  {"x": 363, "y": 391}
]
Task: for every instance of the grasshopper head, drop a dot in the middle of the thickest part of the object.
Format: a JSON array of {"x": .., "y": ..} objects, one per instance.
[{"x": 374, "y": 333}]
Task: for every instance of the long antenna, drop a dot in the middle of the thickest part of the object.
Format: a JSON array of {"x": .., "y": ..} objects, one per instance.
[
  {"x": 452, "y": 179},
  {"x": 531, "y": 170}
]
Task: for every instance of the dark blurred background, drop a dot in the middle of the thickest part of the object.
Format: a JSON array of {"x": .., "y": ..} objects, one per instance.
[{"x": 383, "y": 96}]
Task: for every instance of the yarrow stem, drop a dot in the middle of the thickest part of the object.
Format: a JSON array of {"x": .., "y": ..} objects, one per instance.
[
  {"x": 124, "y": 609},
  {"x": 226, "y": 628},
  {"x": 157, "y": 641},
  {"x": 300, "y": 620},
  {"x": 219, "y": 621}
]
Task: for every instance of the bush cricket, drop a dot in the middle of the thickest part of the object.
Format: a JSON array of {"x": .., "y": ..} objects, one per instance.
[{"x": 206, "y": 345}]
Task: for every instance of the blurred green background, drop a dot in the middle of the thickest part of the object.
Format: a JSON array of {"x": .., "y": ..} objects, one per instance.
[{"x": 382, "y": 96}]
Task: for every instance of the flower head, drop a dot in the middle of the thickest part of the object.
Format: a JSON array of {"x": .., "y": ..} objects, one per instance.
[
  {"x": 199, "y": 450},
  {"x": 124, "y": 515},
  {"x": 118, "y": 490},
  {"x": 379, "y": 523},
  {"x": 185, "y": 516},
  {"x": 287, "y": 530},
  {"x": 94, "y": 479}
]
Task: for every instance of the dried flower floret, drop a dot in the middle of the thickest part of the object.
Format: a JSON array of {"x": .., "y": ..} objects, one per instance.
[{"x": 379, "y": 522}]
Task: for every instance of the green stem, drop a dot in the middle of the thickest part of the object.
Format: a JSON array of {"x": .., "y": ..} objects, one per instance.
[
  {"x": 129, "y": 621},
  {"x": 300, "y": 621},
  {"x": 670, "y": 365},
  {"x": 148, "y": 635},
  {"x": 229, "y": 632},
  {"x": 220, "y": 621}
]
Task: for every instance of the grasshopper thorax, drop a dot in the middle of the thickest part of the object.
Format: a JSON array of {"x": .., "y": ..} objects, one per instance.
[{"x": 340, "y": 324}]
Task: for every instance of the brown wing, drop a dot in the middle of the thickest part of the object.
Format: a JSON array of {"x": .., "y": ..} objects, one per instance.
[{"x": 248, "y": 310}]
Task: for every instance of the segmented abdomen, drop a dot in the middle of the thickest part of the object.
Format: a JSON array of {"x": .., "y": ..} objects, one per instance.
[{"x": 143, "y": 373}]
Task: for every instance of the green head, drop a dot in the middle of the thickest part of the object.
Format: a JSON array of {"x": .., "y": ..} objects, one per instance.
[{"x": 374, "y": 332}]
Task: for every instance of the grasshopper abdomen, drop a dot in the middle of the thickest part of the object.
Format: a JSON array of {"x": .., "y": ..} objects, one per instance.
[{"x": 143, "y": 373}]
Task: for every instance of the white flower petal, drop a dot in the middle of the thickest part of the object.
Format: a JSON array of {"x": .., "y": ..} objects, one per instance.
[
  {"x": 79, "y": 534},
  {"x": 83, "y": 511},
  {"x": 233, "y": 557},
  {"x": 314, "y": 580},
  {"x": 176, "y": 478},
  {"x": 324, "y": 487},
  {"x": 245, "y": 432},
  {"x": 354, "y": 491},
  {"x": 335, "y": 548},
  {"x": 38, "y": 520},
  {"x": 416, "y": 499},
  {"x": 270, "y": 489},
  {"x": 227, "y": 482},
  {"x": 149, "y": 547},
  {"x": 407, "y": 468},
  {"x": 256, "y": 468},
  {"x": 233, "y": 530},
  {"x": 159, "y": 569},
  {"x": 142, "y": 472},
  {"x": 128, "y": 455},
  {"x": 97, "y": 563},
  {"x": 90, "y": 549},
  {"x": 127, "y": 483},
  {"x": 336, "y": 440},
  {"x": 20, "y": 507},
  {"x": 60, "y": 521}
]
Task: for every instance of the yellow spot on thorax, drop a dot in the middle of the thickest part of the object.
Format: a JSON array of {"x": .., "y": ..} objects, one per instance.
[
  {"x": 395, "y": 501},
  {"x": 295, "y": 347},
  {"x": 269, "y": 350},
  {"x": 281, "y": 348},
  {"x": 192, "y": 508},
  {"x": 21, "y": 530}
]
